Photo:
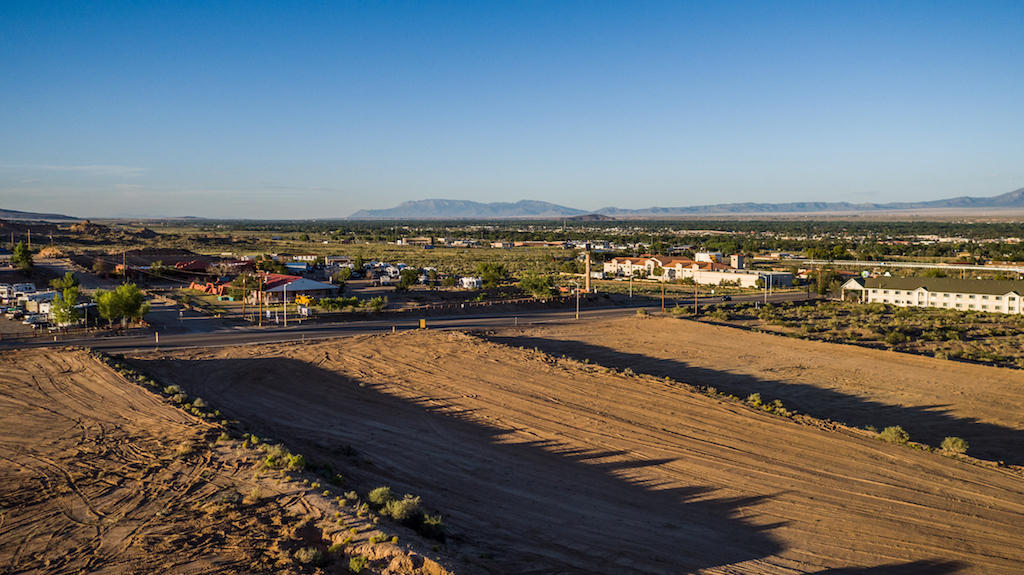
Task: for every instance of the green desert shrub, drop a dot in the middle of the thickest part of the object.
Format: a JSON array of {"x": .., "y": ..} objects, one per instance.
[
  {"x": 309, "y": 556},
  {"x": 296, "y": 462},
  {"x": 380, "y": 496},
  {"x": 894, "y": 434},
  {"x": 754, "y": 399},
  {"x": 357, "y": 564},
  {"x": 431, "y": 527},
  {"x": 406, "y": 511},
  {"x": 954, "y": 445}
]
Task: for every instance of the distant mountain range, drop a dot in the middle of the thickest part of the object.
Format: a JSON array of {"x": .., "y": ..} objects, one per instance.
[
  {"x": 527, "y": 209},
  {"x": 468, "y": 210},
  {"x": 16, "y": 215}
]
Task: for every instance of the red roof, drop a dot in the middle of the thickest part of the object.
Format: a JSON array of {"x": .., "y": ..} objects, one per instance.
[{"x": 271, "y": 281}]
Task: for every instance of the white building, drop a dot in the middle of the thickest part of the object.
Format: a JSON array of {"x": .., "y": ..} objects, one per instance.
[
  {"x": 471, "y": 283},
  {"x": 996, "y": 296},
  {"x": 703, "y": 272}
]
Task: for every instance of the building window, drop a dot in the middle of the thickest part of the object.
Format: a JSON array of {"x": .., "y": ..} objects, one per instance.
[
  {"x": 984, "y": 297},
  {"x": 999, "y": 298},
  {"x": 971, "y": 296}
]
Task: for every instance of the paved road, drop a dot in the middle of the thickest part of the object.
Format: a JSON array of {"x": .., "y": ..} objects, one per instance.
[{"x": 242, "y": 335}]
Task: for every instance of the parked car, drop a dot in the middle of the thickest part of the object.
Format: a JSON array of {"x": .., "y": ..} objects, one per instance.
[
  {"x": 727, "y": 298},
  {"x": 33, "y": 319}
]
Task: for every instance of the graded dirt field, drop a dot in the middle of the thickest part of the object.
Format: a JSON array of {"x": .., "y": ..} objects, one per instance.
[
  {"x": 99, "y": 475},
  {"x": 546, "y": 465},
  {"x": 930, "y": 398}
]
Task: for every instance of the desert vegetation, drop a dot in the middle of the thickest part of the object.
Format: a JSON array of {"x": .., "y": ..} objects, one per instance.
[{"x": 946, "y": 334}]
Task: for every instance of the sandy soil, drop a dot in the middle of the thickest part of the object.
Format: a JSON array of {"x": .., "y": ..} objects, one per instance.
[
  {"x": 99, "y": 475},
  {"x": 930, "y": 398},
  {"x": 542, "y": 465}
]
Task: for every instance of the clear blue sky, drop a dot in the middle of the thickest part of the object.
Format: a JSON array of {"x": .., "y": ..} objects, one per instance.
[{"x": 318, "y": 109}]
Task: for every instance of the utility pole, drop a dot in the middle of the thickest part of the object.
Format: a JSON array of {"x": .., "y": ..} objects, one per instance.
[
  {"x": 588, "y": 271},
  {"x": 285, "y": 302},
  {"x": 260, "y": 298},
  {"x": 29, "y": 239},
  {"x": 662, "y": 294},
  {"x": 243, "y": 296}
]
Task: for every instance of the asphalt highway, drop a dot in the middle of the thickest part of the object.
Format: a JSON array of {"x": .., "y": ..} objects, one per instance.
[{"x": 245, "y": 335}]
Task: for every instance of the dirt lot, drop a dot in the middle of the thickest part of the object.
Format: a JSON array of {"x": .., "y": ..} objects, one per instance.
[
  {"x": 930, "y": 398},
  {"x": 544, "y": 465},
  {"x": 99, "y": 475}
]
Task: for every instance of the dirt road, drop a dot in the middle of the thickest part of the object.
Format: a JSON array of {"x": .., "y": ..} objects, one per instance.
[{"x": 542, "y": 465}]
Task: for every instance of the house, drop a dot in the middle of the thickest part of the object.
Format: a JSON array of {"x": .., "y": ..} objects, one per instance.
[
  {"x": 471, "y": 283},
  {"x": 311, "y": 258},
  {"x": 337, "y": 260},
  {"x": 501, "y": 244},
  {"x": 300, "y": 267},
  {"x": 996, "y": 296},
  {"x": 277, "y": 287}
]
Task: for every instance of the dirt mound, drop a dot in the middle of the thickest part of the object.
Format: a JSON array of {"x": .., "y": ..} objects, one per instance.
[
  {"x": 543, "y": 465},
  {"x": 102, "y": 476},
  {"x": 87, "y": 227}
]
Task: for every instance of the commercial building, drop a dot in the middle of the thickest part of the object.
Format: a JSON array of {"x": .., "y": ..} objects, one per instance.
[
  {"x": 708, "y": 271},
  {"x": 996, "y": 296}
]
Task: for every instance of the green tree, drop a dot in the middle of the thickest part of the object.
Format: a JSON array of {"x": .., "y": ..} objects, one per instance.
[
  {"x": 63, "y": 306},
  {"x": 492, "y": 273},
  {"x": 62, "y": 283},
  {"x": 358, "y": 263},
  {"x": 124, "y": 304},
  {"x": 407, "y": 278},
  {"x": 539, "y": 286},
  {"x": 341, "y": 276},
  {"x": 22, "y": 257}
]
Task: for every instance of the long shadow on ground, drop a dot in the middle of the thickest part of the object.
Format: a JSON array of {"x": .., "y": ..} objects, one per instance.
[
  {"x": 912, "y": 568},
  {"x": 928, "y": 424},
  {"x": 515, "y": 506}
]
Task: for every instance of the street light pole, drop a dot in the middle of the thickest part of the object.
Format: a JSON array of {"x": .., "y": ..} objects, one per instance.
[{"x": 285, "y": 305}]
